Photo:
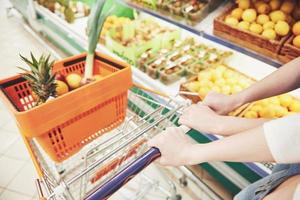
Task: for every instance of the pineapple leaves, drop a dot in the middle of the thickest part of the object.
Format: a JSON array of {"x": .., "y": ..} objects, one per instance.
[{"x": 40, "y": 77}]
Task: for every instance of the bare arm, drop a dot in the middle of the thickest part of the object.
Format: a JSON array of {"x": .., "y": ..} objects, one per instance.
[
  {"x": 249, "y": 146},
  {"x": 203, "y": 119},
  {"x": 285, "y": 79}
]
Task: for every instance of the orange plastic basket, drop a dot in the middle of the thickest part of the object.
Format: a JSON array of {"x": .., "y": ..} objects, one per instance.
[{"x": 62, "y": 126}]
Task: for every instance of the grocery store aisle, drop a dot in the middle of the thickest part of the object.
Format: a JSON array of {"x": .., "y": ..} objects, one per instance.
[{"x": 16, "y": 169}]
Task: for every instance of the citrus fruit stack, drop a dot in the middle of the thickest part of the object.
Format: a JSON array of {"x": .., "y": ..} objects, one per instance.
[
  {"x": 274, "y": 107},
  {"x": 270, "y": 19},
  {"x": 220, "y": 79}
]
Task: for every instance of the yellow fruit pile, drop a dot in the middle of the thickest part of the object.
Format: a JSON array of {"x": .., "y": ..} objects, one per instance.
[
  {"x": 113, "y": 21},
  {"x": 270, "y": 19},
  {"x": 296, "y": 32},
  {"x": 219, "y": 79},
  {"x": 274, "y": 107}
]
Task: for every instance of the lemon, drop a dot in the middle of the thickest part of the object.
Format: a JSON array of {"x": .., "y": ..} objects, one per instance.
[
  {"x": 249, "y": 15},
  {"x": 285, "y": 100},
  {"x": 256, "y": 108},
  {"x": 236, "y": 89},
  {"x": 194, "y": 86},
  {"x": 275, "y": 4},
  {"x": 244, "y": 25},
  {"x": 280, "y": 111},
  {"x": 237, "y": 13},
  {"x": 251, "y": 114},
  {"x": 282, "y": 28},
  {"x": 244, "y": 4},
  {"x": 287, "y": 7},
  {"x": 203, "y": 91},
  {"x": 262, "y": 19},
  {"x": 204, "y": 75},
  {"x": 263, "y": 8},
  {"x": 244, "y": 83},
  {"x": 296, "y": 28},
  {"x": 296, "y": 41},
  {"x": 269, "y": 25},
  {"x": 277, "y": 15},
  {"x": 274, "y": 101},
  {"x": 228, "y": 74},
  {"x": 226, "y": 89},
  {"x": 231, "y": 21},
  {"x": 256, "y": 28},
  {"x": 216, "y": 88},
  {"x": 295, "y": 106},
  {"x": 220, "y": 82},
  {"x": 205, "y": 83},
  {"x": 268, "y": 112},
  {"x": 269, "y": 34},
  {"x": 74, "y": 80}
]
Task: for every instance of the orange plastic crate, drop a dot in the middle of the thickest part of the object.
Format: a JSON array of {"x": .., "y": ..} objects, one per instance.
[{"x": 64, "y": 125}]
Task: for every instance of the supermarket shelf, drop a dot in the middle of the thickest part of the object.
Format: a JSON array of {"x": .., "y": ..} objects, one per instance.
[{"x": 204, "y": 29}]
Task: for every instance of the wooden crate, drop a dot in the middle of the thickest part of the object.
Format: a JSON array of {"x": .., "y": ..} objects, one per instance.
[
  {"x": 288, "y": 51},
  {"x": 255, "y": 42}
]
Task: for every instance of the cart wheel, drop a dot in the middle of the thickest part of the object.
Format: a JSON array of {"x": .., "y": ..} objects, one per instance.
[{"x": 183, "y": 181}]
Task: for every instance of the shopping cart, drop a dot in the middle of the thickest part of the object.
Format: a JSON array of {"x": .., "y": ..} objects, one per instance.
[{"x": 107, "y": 163}]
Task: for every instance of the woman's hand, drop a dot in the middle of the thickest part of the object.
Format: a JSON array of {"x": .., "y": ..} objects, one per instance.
[
  {"x": 222, "y": 104},
  {"x": 202, "y": 119},
  {"x": 174, "y": 145}
]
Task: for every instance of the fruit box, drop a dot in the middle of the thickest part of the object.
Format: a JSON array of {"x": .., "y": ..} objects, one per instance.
[
  {"x": 132, "y": 53},
  {"x": 288, "y": 51},
  {"x": 62, "y": 126},
  {"x": 247, "y": 39}
]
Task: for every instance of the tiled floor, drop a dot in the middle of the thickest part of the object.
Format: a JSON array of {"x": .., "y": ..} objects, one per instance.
[{"x": 16, "y": 169}]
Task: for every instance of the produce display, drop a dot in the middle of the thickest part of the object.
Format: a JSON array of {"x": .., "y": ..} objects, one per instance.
[
  {"x": 113, "y": 22},
  {"x": 274, "y": 107},
  {"x": 270, "y": 19},
  {"x": 132, "y": 39},
  {"x": 184, "y": 58},
  {"x": 221, "y": 79},
  {"x": 189, "y": 10},
  {"x": 69, "y": 10}
]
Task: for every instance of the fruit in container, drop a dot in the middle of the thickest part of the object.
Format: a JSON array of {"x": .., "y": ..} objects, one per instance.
[
  {"x": 287, "y": 7},
  {"x": 296, "y": 41},
  {"x": 269, "y": 25},
  {"x": 270, "y": 34},
  {"x": 262, "y": 19},
  {"x": 40, "y": 77},
  {"x": 275, "y": 4},
  {"x": 256, "y": 28},
  {"x": 263, "y": 8},
  {"x": 277, "y": 15},
  {"x": 296, "y": 28},
  {"x": 231, "y": 21},
  {"x": 69, "y": 15},
  {"x": 97, "y": 77},
  {"x": 61, "y": 88},
  {"x": 74, "y": 80},
  {"x": 237, "y": 13},
  {"x": 282, "y": 28},
  {"x": 294, "y": 106},
  {"x": 249, "y": 15},
  {"x": 244, "y": 4},
  {"x": 251, "y": 114},
  {"x": 244, "y": 25}
]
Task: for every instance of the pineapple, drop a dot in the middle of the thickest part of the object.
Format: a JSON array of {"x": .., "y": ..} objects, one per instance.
[{"x": 40, "y": 77}]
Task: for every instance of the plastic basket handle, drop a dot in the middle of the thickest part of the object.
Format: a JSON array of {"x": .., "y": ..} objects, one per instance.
[{"x": 120, "y": 179}]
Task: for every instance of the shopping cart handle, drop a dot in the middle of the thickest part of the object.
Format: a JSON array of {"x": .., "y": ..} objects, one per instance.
[{"x": 120, "y": 179}]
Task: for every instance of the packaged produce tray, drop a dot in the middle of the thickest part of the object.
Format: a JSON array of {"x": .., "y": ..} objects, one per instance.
[
  {"x": 62, "y": 126},
  {"x": 255, "y": 42}
]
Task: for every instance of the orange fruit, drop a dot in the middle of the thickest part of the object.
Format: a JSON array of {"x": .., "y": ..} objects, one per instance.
[
  {"x": 296, "y": 41},
  {"x": 61, "y": 88},
  {"x": 296, "y": 28}
]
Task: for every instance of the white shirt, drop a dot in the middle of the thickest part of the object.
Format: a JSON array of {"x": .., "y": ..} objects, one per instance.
[{"x": 283, "y": 139}]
